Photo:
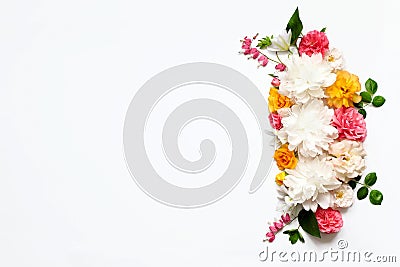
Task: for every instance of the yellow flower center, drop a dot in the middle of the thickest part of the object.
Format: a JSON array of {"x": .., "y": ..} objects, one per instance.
[{"x": 339, "y": 194}]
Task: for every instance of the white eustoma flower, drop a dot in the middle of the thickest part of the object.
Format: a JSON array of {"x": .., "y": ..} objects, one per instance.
[
  {"x": 310, "y": 182},
  {"x": 335, "y": 59},
  {"x": 307, "y": 128},
  {"x": 281, "y": 42},
  {"x": 285, "y": 203},
  {"x": 306, "y": 77},
  {"x": 348, "y": 159},
  {"x": 343, "y": 197}
]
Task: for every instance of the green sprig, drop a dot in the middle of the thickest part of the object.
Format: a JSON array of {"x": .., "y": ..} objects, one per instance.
[{"x": 375, "y": 196}]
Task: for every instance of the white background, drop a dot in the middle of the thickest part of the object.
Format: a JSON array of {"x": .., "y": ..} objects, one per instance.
[{"x": 68, "y": 70}]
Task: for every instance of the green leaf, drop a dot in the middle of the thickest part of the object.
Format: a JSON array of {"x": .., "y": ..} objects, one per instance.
[
  {"x": 352, "y": 184},
  {"x": 358, "y": 178},
  {"x": 264, "y": 42},
  {"x": 301, "y": 238},
  {"x": 294, "y": 236},
  {"x": 370, "y": 179},
  {"x": 362, "y": 192},
  {"x": 289, "y": 231},
  {"x": 363, "y": 112},
  {"x": 273, "y": 75},
  {"x": 371, "y": 86},
  {"x": 295, "y": 25},
  {"x": 375, "y": 197},
  {"x": 366, "y": 97},
  {"x": 359, "y": 104},
  {"x": 309, "y": 223},
  {"x": 378, "y": 101},
  {"x": 323, "y": 29}
]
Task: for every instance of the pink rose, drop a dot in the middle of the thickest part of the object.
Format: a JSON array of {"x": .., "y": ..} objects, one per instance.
[
  {"x": 275, "y": 120},
  {"x": 329, "y": 220},
  {"x": 314, "y": 42},
  {"x": 350, "y": 124}
]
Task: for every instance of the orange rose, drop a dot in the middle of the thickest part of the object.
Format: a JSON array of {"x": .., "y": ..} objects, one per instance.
[
  {"x": 277, "y": 101},
  {"x": 285, "y": 158},
  {"x": 344, "y": 91}
]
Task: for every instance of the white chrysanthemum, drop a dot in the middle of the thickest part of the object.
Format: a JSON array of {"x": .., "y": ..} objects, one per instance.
[
  {"x": 310, "y": 182},
  {"x": 335, "y": 59},
  {"x": 281, "y": 42},
  {"x": 343, "y": 197},
  {"x": 305, "y": 78},
  {"x": 348, "y": 159},
  {"x": 307, "y": 128}
]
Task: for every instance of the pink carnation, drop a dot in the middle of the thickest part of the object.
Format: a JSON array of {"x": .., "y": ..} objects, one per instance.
[
  {"x": 329, "y": 220},
  {"x": 275, "y": 120},
  {"x": 314, "y": 42},
  {"x": 350, "y": 124}
]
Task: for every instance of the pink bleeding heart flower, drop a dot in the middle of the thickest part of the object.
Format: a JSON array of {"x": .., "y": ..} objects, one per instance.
[
  {"x": 247, "y": 40},
  {"x": 246, "y": 45},
  {"x": 280, "y": 67},
  {"x": 273, "y": 229},
  {"x": 278, "y": 225},
  {"x": 253, "y": 50},
  {"x": 275, "y": 82},
  {"x": 285, "y": 218},
  {"x": 256, "y": 54},
  {"x": 263, "y": 60},
  {"x": 270, "y": 236}
]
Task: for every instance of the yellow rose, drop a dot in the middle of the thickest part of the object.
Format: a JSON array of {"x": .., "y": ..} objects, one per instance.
[
  {"x": 344, "y": 91},
  {"x": 285, "y": 158},
  {"x": 279, "y": 178},
  {"x": 277, "y": 101}
]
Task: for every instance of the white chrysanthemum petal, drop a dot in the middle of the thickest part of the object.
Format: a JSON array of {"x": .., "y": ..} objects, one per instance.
[
  {"x": 310, "y": 182},
  {"x": 306, "y": 77},
  {"x": 307, "y": 128},
  {"x": 324, "y": 200}
]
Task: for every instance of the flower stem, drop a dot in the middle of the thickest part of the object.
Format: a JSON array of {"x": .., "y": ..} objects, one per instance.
[
  {"x": 277, "y": 56},
  {"x": 269, "y": 58},
  {"x": 297, "y": 48},
  {"x": 362, "y": 184}
]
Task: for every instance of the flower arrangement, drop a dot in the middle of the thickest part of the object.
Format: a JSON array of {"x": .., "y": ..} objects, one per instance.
[{"x": 317, "y": 109}]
